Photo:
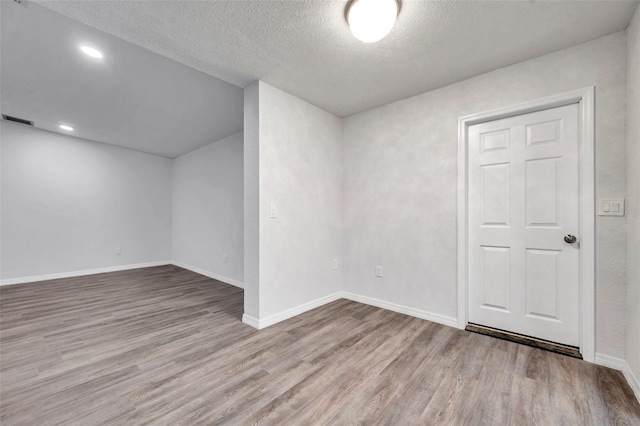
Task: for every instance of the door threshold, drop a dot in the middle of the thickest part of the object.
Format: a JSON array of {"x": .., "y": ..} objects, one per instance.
[{"x": 558, "y": 348}]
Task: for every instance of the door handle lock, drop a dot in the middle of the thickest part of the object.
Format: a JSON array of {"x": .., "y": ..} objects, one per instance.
[{"x": 570, "y": 239}]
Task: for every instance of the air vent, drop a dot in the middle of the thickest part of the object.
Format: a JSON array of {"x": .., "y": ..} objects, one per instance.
[{"x": 17, "y": 120}]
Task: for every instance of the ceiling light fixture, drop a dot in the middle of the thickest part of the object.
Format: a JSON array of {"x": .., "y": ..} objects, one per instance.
[
  {"x": 372, "y": 20},
  {"x": 66, "y": 127},
  {"x": 91, "y": 51}
]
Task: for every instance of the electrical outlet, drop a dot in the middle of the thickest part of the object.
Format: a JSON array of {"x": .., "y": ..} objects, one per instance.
[
  {"x": 378, "y": 271},
  {"x": 118, "y": 251},
  {"x": 225, "y": 258},
  {"x": 273, "y": 211},
  {"x": 334, "y": 264}
]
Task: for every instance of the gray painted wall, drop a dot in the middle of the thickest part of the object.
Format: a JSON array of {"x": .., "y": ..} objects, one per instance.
[
  {"x": 633, "y": 195},
  {"x": 400, "y": 182},
  {"x": 208, "y": 209},
  {"x": 252, "y": 201},
  {"x": 68, "y": 203},
  {"x": 300, "y": 172}
]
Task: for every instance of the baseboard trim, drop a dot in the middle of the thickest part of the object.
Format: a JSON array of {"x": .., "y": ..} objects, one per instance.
[
  {"x": 632, "y": 380},
  {"x": 252, "y": 321},
  {"x": 289, "y": 313},
  {"x": 609, "y": 361},
  {"x": 47, "y": 277},
  {"x": 418, "y": 313},
  {"x": 297, "y": 310},
  {"x": 621, "y": 365},
  {"x": 209, "y": 274}
]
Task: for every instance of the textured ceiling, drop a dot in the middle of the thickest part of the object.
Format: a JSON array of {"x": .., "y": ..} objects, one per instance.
[
  {"x": 305, "y": 47},
  {"x": 133, "y": 98}
]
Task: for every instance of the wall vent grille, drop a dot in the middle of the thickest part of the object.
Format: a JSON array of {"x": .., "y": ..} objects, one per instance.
[{"x": 17, "y": 120}]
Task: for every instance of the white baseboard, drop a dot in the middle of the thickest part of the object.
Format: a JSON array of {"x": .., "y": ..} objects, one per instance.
[
  {"x": 72, "y": 274},
  {"x": 252, "y": 321},
  {"x": 418, "y": 313},
  {"x": 632, "y": 379},
  {"x": 209, "y": 274},
  {"x": 289, "y": 313},
  {"x": 36, "y": 278},
  {"x": 609, "y": 361},
  {"x": 621, "y": 365},
  {"x": 297, "y": 310}
]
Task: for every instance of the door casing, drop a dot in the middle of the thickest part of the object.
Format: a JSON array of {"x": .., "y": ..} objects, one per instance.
[{"x": 585, "y": 99}]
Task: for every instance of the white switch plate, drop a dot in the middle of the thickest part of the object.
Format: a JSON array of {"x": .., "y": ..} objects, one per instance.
[
  {"x": 225, "y": 258},
  {"x": 273, "y": 211},
  {"x": 118, "y": 251},
  {"x": 378, "y": 271},
  {"x": 334, "y": 264},
  {"x": 611, "y": 207}
]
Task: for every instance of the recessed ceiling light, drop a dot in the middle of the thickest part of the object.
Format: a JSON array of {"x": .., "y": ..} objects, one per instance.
[
  {"x": 91, "y": 51},
  {"x": 66, "y": 127},
  {"x": 372, "y": 20}
]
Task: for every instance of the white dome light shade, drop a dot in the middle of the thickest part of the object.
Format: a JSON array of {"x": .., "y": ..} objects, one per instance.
[
  {"x": 372, "y": 20},
  {"x": 91, "y": 51}
]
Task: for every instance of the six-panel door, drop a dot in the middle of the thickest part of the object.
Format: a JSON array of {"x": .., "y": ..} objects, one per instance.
[{"x": 523, "y": 194}]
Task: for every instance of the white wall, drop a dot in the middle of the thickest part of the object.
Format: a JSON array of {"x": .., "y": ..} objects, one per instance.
[
  {"x": 400, "y": 182},
  {"x": 68, "y": 203},
  {"x": 633, "y": 195},
  {"x": 300, "y": 171},
  {"x": 252, "y": 201},
  {"x": 208, "y": 210}
]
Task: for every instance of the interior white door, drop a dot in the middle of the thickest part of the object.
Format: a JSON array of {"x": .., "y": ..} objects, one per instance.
[{"x": 523, "y": 198}]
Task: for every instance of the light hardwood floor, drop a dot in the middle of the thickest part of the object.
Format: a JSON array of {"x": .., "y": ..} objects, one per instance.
[{"x": 166, "y": 346}]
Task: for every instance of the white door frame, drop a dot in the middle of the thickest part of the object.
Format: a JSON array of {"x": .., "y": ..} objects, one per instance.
[{"x": 585, "y": 99}]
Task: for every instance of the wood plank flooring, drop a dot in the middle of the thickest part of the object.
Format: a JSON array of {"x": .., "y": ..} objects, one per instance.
[{"x": 166, "y": 346}]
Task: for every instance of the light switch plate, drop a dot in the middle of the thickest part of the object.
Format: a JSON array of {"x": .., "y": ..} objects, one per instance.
[
  {"x": 273, "y": 211},
  {"x": 611, "y": 207}
]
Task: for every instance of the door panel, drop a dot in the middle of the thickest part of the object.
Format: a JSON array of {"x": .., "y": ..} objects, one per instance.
[
  {"x": 493, "y": 141},
  {"x": 548, "y": 132},
  {"x": 495, "y": 277},
  {"x": 523, "y": 199},
  {"x": 541, "y": 195},
  {"x": 494, "y": 183},
  {"x": 542, "y": 283}
]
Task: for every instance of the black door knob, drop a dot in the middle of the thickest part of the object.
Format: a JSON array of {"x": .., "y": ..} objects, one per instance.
[{"x": 570, "y": 239}]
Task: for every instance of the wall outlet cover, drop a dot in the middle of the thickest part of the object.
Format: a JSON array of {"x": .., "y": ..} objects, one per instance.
[{"x": 378, "y": 271}]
